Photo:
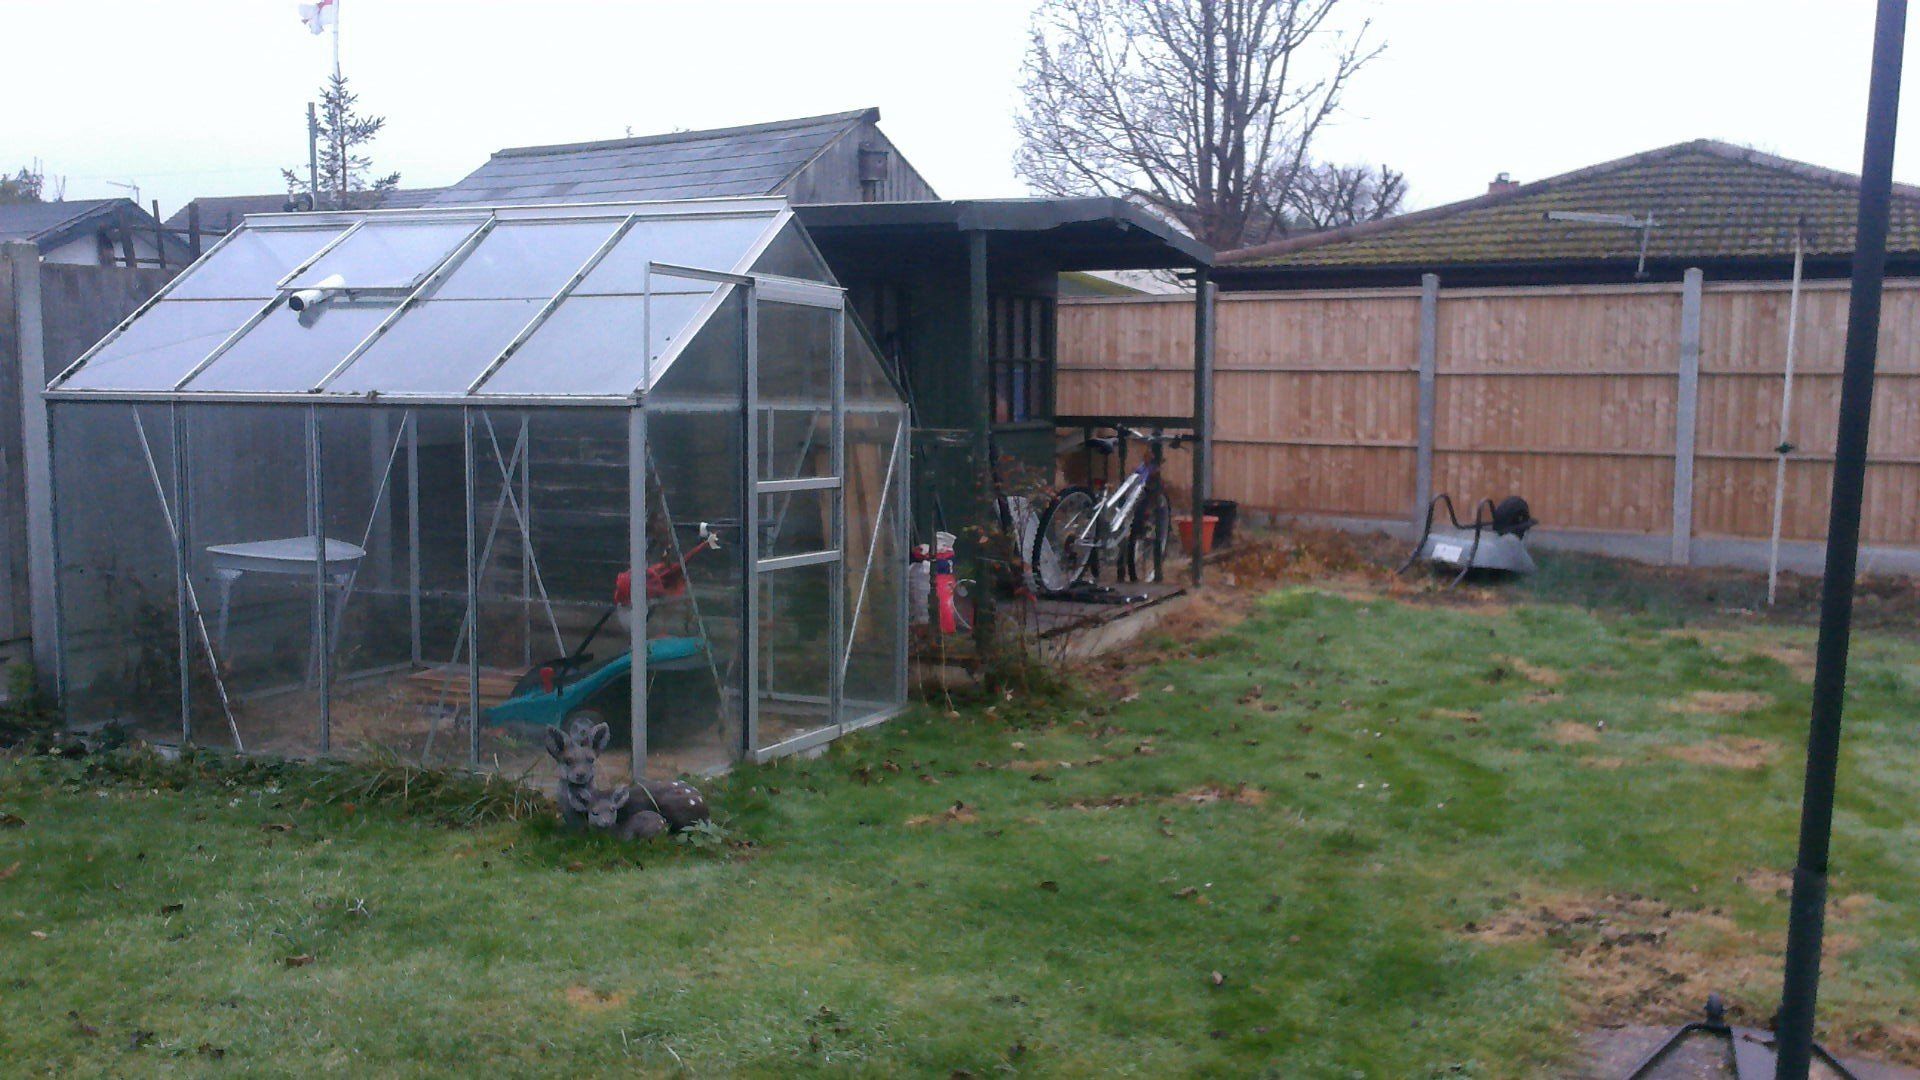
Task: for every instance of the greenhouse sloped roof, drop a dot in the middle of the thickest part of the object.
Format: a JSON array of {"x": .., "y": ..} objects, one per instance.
[{"x": 436, "y": 304}]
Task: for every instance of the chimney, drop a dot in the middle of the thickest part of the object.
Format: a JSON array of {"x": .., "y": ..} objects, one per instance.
[{"x": 1502, "y": 184}]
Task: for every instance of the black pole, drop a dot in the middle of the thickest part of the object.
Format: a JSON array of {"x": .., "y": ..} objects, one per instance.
[{"x": 1807, "y": 914}]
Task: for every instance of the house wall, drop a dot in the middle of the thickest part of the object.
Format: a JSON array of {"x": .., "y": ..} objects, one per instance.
[
  {"x": 85, "y": 251},
  {"x": 1569, "y": 396}
]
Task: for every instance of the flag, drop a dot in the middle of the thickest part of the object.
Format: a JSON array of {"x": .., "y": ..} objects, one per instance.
[{"x": 321, "y": 15}]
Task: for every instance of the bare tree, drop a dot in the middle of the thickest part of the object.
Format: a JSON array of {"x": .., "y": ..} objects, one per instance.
[
  {"x": 1203, "y": 109},
  {"x": 26, "y": 186},
  {"x": 1325, "y": 196}
]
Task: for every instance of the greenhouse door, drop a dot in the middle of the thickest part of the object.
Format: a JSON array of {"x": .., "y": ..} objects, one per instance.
[{"x": 796, "y": 516}]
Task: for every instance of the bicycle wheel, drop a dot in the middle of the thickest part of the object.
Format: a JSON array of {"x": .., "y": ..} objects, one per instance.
[
  {"x": 1058, "y": 556},
  {"x": 1146, "y": 550}
]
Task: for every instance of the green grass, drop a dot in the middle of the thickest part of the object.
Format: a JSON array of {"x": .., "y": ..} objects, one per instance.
[{"x": 1050, "y": 934}]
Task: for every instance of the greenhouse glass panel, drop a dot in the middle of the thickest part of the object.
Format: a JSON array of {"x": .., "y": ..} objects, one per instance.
[
  {"x": 251, "y": 558},
  {"x": 789, "y": 254},
  {"x": 591, "y": 345},
  {"x": 388, "y": 254},
  {"x": 115, "y": 569},
  {"x": 367, "y": 497},
  {"x": 525, "y": 260},
  {"x": 876, "y": 562},
  {"x": 251, "y": 264},
  {"x": 706, "y": 243},
  {"x": 291, "y": 352},
  {"x": 795, "y": 658},
  {"x": 696, "y": 439},
  {"x": 162, "y": 345},
  {"x": 438, "y": 347},
  {"x": 796, "y": 391}
]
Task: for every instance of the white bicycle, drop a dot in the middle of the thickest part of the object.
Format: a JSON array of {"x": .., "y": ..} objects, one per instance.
[{"x": 1127, "y": 525}]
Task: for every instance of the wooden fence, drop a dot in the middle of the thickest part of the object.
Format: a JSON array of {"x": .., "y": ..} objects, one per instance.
[{"x": 1643, "y": 414}]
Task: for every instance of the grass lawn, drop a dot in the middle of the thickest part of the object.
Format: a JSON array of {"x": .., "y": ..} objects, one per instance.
[{"x": 1350, "y": 836}]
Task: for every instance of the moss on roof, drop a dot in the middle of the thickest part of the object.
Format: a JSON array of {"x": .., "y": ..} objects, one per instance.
[{"x": 1711, "y": 200}]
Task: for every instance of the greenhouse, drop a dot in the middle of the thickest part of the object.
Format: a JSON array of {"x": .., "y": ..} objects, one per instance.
[{"x": 422, "y": 482}]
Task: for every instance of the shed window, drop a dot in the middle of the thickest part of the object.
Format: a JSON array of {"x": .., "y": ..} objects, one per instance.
[{"x": 1020, "y": 349}]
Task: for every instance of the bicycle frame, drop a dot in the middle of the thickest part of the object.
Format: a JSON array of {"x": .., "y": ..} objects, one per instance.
[{"x": 1108, "y": 524}]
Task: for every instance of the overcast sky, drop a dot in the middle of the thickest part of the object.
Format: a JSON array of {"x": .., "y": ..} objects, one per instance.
[{"x": 207, "y": 97}]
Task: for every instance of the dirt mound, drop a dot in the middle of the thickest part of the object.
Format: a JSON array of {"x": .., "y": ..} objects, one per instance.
[{"x": 1728, "y": 752}]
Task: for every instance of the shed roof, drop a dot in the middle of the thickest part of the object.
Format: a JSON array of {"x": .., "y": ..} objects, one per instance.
[
  {"x": 220, "y": 213},
  {"x": 50, "y": 224},
  {"x": 1092, "y": 233},
  {"x": 1711, "y": 200},
  {"x": 756, "y": 159}
]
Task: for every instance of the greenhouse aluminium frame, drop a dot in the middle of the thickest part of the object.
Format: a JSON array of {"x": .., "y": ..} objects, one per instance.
[{"x": 692, "y": 280}]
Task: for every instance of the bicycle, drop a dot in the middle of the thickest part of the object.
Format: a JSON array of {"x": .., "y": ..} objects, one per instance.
[{"x": 1132, "y": 521}]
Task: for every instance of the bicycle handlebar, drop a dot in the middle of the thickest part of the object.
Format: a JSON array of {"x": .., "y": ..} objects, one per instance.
[{"x": 1174, "y": 441}]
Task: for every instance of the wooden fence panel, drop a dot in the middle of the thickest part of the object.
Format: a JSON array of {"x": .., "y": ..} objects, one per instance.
[{"x": 1567, "y": 395}]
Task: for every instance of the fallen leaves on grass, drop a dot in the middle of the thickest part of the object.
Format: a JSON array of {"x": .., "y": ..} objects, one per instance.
[
  {"x": 957, "y": 814},
  {"x": 9, "y": 870},
  {"x": 1240, "y": 794},
  {"x": 1243, "y": 794},
  {"x": 1727, "y": 752},
  {"x": 1720, "y": 702}
]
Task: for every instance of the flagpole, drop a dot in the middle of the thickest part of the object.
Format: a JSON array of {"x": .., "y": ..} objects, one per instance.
[{"x": 336, "y": 39}]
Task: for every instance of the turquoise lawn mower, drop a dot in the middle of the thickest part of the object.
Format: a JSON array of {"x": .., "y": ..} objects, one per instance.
[{"x": 558, "y": 690}]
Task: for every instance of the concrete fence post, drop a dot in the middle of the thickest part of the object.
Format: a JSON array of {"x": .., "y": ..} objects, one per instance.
[
  {"x": 1429, "y": 366},
  {"x": 1686, "y": 418},
  {"x": 23, "y": 264}
]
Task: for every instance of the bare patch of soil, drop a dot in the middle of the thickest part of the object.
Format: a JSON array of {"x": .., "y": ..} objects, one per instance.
[
  {"x": 1768, "y": 882},
  {"x": 588, "y": 999},
  {"x": 1533, "y": 673},
  {"x": 1797, "y": 659},
  {"x": 1729, "y": 752},
  {"x": 1608, "y": 763},
  {"x": 1570, "y": 732},
  {"x": 1632, "y": 956},
  {"x": 1720, "y": 702}
]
